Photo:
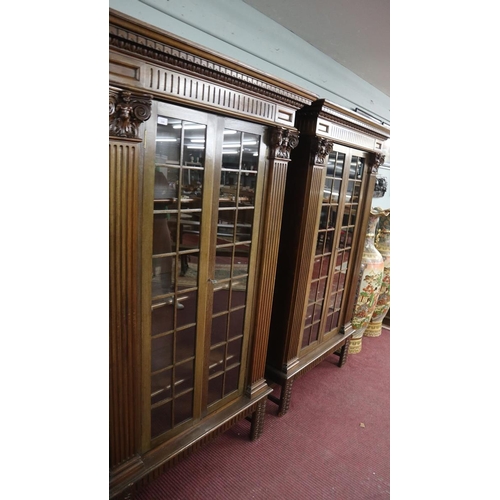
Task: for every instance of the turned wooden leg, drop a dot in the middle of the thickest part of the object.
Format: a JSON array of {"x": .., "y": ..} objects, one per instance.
[
  {"x": 258, "y": 421},
  {"x": 286, "y": 394},
  {"x": 343, "y": 353}
]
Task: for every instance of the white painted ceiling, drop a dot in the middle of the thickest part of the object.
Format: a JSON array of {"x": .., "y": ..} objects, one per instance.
[{"x": 355, "y": 33}]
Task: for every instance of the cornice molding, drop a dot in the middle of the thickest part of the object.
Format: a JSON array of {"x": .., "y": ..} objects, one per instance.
[
  {"x": 347, "y": 121},
  {"x": 151, "y": 48},
  {"x": 127, "y": 110}
]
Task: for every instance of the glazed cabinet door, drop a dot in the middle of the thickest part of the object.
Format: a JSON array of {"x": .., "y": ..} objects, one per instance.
[
  {"x": 343, "y": 180},
  {"x": 201, "y": 186}
]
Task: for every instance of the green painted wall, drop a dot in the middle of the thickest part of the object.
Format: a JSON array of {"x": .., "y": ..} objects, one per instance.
[{"x": 234, "y": 29}]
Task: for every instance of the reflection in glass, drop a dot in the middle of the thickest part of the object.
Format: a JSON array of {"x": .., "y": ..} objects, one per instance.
[
  {"x": 215, "y": 389},
  {"x": 323, "y": 219},
  {"x": 216, "y": 362},
  {"x": 221, "y": 299},
  {"x": 316, "y": 268},
  {"x": 178, "y": 191},
  {"x": 161, "y": 352},
  {"x": 309, "y": 314},
  {"x": 313, "y": 290},
  {"x": 250, "y": 157},
  {"x": 162, "y": 319},
  {"x": 184, "y": 377},
  {"x": 348, "y": 194},
  {"x": 183, "y": 408},
  {"x": 168, "y": 141},
  {"x": 161, "y": 419},
  {"x": 314, "y": 333},
  {"x": 234, "y": 351},
  {"x": 317, "y": 313},
  {"x": 231, "y": 383},
  {"x": 325, "y": 265},
  {"x": 321, "y": 289},
  {"x": 238, "y": 293},
  {"x": 327, "y": 191},
  {"x": 226, "y": 224},
  {"x": 236, "y": 323},
  {"x": 235, "y": 212},
  {"x": 194, "y": 144},
  {"x": 305, "y": 337},
  {"x": 185, "y": 344},
  {"x": 244, "y": 224},
  {"x": 161, "y": 386},
  {"x": 241, "y": 260},
  {"x": 185, "y": 309},
  {"x": 219, "y": 329}
]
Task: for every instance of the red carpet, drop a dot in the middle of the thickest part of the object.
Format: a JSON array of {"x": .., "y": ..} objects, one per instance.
[{"x": 332, "y": 444}]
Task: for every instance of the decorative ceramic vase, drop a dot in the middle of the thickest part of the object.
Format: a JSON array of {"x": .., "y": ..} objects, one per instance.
[
  {"x": 382, "y": 244},
  {"x": 369, "y": 283}
]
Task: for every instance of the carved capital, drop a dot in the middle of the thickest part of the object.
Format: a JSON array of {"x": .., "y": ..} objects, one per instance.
[
  {"x": 126, "y": 112},
  {"x": 283, "y": 140},
  {"x": 378, "y": 160},
  {"x": 321, "y": 148}
]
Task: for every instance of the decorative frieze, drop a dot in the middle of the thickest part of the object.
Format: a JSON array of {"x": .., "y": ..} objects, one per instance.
[
  {"x": 159, "y": 51},
  {"x": 347, "y": 121}
]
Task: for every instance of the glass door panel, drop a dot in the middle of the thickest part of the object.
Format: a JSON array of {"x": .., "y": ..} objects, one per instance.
[
  {"x": 207, "y": 186},
  {"x": 177, "y": 231},
  {"x": 240, "y": 159},
  {"x": 347, "y": 229},
  {"x": 326, "y": 235}
]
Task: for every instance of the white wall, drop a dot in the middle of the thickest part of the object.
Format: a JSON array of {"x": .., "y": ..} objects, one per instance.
[{"x": 233, "y": 28}]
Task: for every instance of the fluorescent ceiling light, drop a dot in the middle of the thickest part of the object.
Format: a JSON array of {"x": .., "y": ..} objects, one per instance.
[
  {"x": 193, "y": 146},
  {"x": 232, "y": 144},
  {"x": 230, "y": 132},
  {"x": 230, "y": 152},
  {"x": 165, "y": 139},
  {"x": 190, "y": 127}
]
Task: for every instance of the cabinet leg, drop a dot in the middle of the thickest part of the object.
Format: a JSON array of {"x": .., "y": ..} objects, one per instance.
[
  {"x": 344, "y": 351},
  {"x": 286, "y": 394},
  {"x": 258, "y": 421}
]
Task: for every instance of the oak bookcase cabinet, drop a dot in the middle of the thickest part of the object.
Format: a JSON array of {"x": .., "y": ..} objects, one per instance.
[
  {"x": 330, "y": 182},
  {"x": 198, "y": 154}
]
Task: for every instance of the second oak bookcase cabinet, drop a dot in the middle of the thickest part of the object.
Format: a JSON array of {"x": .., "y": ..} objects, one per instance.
[{"x": 329, "y": 187}]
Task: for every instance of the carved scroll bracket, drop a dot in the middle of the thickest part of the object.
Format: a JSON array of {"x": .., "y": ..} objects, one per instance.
[
  {"x": 127, "y": 111},
  {"x": 320, "y": 149},
  {"x": 379, "y": 159},
  {"x": 283, "y": 140}
]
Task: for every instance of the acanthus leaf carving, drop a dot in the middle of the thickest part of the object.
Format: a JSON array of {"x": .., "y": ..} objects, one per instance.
[
  {"x": 378, "y": 160},
  {"x": 283, "y": 140},
  {"x": 126, "y": 112},
  {"x": 321, "y": 148}
]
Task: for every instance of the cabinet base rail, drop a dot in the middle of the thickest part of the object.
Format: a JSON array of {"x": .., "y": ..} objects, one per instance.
[
  {"x": 285, "y": 379},
  {"x": 126, "y": 483}
]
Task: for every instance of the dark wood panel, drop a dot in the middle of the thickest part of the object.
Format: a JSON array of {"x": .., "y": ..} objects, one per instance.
[
  {"x": 124, "y": 337},
  {"x": 282, "y": 141}
]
